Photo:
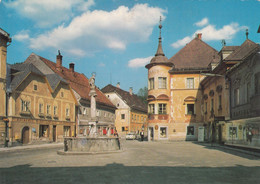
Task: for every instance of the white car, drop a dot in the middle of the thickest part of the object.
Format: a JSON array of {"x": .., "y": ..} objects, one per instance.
[{"x": 130, "y": 136}]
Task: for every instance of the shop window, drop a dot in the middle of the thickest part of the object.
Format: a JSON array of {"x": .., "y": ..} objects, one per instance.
[
  {"x": 190, "y": 130},
  {"x": 162, "y": 82},
  {"x": 163, "y": 132},
  {"x": 190, "y": 83},
  {"x": 66, "y": 131},
  {"x": 190, "y": 109},
  {"x": 232, "y": 132},
  {"x": 162, "y": 109},
  {"x": 44, "y": 131},
  {"x": 151, "y": 109},
  {"x": 151, "y": 83}
]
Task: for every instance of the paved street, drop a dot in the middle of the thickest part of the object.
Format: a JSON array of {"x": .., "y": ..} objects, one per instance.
[{"x": 140, "y": 162}]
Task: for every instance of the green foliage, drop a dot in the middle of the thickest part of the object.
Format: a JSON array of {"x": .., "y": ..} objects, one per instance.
[{"x": 142, "y": 94}]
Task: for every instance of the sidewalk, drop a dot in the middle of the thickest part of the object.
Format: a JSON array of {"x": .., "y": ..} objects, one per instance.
[
  {"x": 28, "y": 147},
  {"x": 250, "y": 150}
]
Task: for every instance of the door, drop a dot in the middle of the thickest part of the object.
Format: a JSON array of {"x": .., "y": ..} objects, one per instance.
[
  {"x": 54, "y": 133},
  {"x": 150, "y": 134},
  {"x": 25, "y": 135}
]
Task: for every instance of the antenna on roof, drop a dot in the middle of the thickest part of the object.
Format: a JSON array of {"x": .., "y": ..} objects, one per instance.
[
  {"x": 247, "y": 34},
  {"x": 160, "y": 26},
  {"x": 59, "y": 52}
]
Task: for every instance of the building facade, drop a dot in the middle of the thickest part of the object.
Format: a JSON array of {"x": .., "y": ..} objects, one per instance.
[
  {"x": 174, "y": 91},
  {"x": 79, "y": 84},
  {"x": 131, "y": 113},
  {"x": 4, "y": 40}
]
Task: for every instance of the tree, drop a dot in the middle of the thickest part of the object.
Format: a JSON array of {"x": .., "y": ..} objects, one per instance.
[{"x": 142, "y": 94}]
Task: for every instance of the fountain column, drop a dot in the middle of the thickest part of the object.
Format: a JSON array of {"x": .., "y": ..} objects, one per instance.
[{"x": 93, "y": 107}]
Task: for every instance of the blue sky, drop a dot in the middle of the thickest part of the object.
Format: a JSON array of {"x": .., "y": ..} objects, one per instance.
[{"x": 117, "y": 38}]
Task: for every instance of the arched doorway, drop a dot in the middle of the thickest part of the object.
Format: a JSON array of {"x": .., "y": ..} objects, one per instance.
[{"x": 25, "y": 135}]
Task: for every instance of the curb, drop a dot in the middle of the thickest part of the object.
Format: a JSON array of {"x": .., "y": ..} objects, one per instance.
[{"x": 66, "y": 153}]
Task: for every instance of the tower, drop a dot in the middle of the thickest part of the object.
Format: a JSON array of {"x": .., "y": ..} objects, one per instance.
[{"x": 158, "y": 94}]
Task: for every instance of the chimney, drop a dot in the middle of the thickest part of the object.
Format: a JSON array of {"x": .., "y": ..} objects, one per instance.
[
  {"x": 72, "y": 67},
  {"x": 131, "y": 90},
  {"x": 199, "y": 36},
  {"x": 118, "y": 85},
  {"x": 59, "y": 61}
]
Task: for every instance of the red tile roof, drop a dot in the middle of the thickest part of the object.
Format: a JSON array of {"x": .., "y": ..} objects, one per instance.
[
  {"x": 196, "y": 54},
  {"x": 78, "y": 82}
]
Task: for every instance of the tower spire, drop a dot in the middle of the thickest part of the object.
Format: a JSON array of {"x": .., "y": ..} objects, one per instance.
[{"x": 159, "y": 50}]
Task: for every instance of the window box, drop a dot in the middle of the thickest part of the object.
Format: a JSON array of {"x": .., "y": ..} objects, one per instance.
[
  {"x": 67, "y": 118},
  {"x": 48, "y": 116},
  {"x": 55, "y": 117}
]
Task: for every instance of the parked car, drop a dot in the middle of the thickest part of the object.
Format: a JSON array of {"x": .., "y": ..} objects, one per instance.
[{"x": 130, "y": 136}]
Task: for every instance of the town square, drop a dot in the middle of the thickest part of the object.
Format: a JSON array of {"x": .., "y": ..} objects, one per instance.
[{"x": 113, "y": 91}]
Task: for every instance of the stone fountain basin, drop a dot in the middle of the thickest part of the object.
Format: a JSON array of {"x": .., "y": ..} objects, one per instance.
[{"x": 90, "y": 145}]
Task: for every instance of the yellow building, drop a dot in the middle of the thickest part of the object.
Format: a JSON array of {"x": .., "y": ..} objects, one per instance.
[
  {"x": 4, "y": 40},
  {"x": 41, "y": 108},
  {"x": 131, "y": 112},
  {"x": 174, "y": 91}
]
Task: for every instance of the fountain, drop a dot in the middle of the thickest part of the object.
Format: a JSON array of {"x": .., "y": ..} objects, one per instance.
[{"x": 92, "y": 143}]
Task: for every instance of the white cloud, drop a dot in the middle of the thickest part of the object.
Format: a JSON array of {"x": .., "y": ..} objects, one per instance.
[
  {"x": 182, "y": 42},
  {"x": 93, "y": 31},
  {"x": 203, "y": 22},
  {"x": 22, "y": 35},
  {"x": 139, "y": 62},
  {"x": 211, "y": 33},
  {"x": 48, "y": 12}
]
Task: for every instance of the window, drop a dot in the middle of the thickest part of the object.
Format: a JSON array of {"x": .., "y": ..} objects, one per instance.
[
  {"x": 162, "y": 82},
  {"x": 66, "y": 131},
  {"x": 190, "y": 109},
  {"x": 206, "y": 108},
  {"x": 61, "y": 94},
  {"x": 35, "y": 87},
  {"x": 212, "y": 105},
  {"x": 190, "y": 130},
  {"x": 248, "y": 86},
  {"x": 151, "y": 108},
  {"x": 219, "y": 102},
  {"x": 151, "y": 83},
  {"x": 84, "y": 111},
  {"x": 236, "y": 96},
  {"x": 40, "y": 108},
  {"x": 98, "y": 113},
  {"x": 123, "y": 129},
  {"x": 232, "y": 132},
  {"x": 122, "y": 116},
  {"x": 163, "y": 132},
  {"x": 162, "y": 109},
  {"x": 25, "y": 106},
  {"x": 67, "y": 112},
  {"x": 55, "y": 108},
  {"x": 257, "y": 83},
  {"x": 48, "y": 109},
  {"x": 190, "y": 83}
]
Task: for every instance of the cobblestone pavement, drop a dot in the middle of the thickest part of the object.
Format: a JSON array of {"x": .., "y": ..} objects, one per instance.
[{"x": 140, "y": 162}]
